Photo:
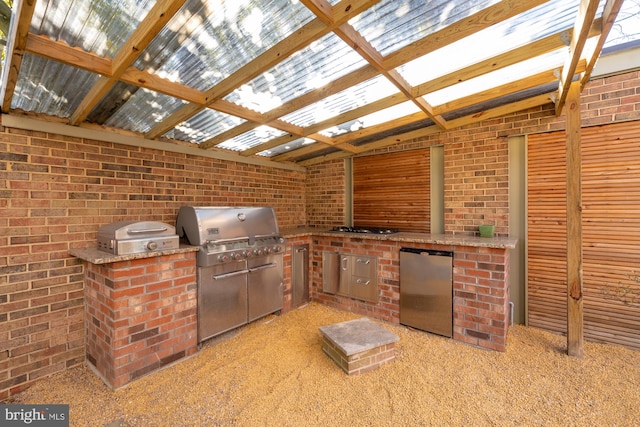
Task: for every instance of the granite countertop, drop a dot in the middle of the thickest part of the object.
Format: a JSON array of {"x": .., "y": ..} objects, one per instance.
[
  {"x": 440, "y": 239},
  {"x": 96, "y": 256}
]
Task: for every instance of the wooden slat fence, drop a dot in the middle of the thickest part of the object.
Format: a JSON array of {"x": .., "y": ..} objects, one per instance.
[
  {"x": 392, "y": 190},
  {"x": 611, "y": 232}
]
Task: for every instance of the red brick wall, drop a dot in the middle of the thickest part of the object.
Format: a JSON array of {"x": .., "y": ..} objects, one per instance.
[
  {"x": 141, "y": 315},
  {"x": 325, "y": 194},
  {"x": 56, "y": 191},
  {"x": 481, "y": 296}
]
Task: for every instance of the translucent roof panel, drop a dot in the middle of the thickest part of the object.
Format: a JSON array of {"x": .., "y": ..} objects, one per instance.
[
  {"x": 549, "y": 18},
  {"x": 382, "y": 116},
  {"x": 207, "y": 41},
  {"x": 252, "y": 138},
  {"x": 96, "y": 26},
  {"x": 552, "y": 60},
  {"x": 143, "y": 111},
  {"x": 50, "y": 87},
  {"x": 323, "y": 61},
  {"x": 289, "y": 146},
  {"x": 356, "y": 96},
  {"x": 203, "y": 126},
  {"x": 393, "y": 24},
  {"x": 627, "y": 24}
]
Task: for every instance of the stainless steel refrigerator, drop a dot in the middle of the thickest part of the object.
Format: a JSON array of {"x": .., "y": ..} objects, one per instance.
[{"x": 426, "y": 290}]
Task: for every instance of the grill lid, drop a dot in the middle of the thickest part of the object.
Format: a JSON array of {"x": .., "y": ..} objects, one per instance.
[
  {"x": 204, "y": 225},
  {"x": 126, "y": 237}
]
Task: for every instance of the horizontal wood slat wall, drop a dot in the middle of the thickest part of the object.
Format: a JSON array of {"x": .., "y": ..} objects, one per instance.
[
  {"x": 611, "y": 232},
  {"x": 392, "y": 190}
]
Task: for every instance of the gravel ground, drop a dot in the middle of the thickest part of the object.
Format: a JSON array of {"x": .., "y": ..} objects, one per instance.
[{"x": 273, "y": 372}]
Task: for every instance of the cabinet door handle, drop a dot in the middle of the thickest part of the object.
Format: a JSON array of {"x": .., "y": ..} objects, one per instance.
[{"x": 344, "y": 263}]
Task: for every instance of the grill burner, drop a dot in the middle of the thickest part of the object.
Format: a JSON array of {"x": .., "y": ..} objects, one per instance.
[
  {"x": 227, "y": 234},
  {"x": 364, "y": 230}
]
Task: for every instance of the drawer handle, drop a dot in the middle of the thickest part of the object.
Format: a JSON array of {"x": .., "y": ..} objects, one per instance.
[
  {"x": 367, "y": 261},
  {"x": 359, "y": 282}
]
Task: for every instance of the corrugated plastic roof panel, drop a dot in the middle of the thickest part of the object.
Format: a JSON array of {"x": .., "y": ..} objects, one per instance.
[
  {"x": 547, "y": 19},
  {"x": 392, "y": 24},
  {"x": 356, "y": 96},
  {"x": 97, "y": 26},
  {"x": 207, "y": 41},
  {"x": 44, "y": 86},
  {"x": 252, "y": 138},
  {"x": 323, "y": 61},
  {"x": 289, "y": 146},
  {"x": 385, "y": 115},
  {"x": 505, "y": 75},
  {"x": 203, "y": 126},
  {"x": 144, "y": 110}
]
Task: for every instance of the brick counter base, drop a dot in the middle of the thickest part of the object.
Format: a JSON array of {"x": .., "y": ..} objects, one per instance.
[
  {"x": 140, "y": 315},
  {"x": 480, "y": 286}
]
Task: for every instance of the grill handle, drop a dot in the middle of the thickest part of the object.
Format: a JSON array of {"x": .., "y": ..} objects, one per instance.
[
  {"x": 147, "y": 230},
  {"x": 227, "y": 275},
  {"x": 263, "y": 267}
]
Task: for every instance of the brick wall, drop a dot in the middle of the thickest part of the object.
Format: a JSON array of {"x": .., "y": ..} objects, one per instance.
[
  {"x": 140, "y": 315},
  {"x": 325, "y": 194},
  {"x": 56, "y": 191}
]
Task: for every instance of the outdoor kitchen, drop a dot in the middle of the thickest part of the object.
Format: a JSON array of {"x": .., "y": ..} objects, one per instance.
[{"x": 401, "y": 234}]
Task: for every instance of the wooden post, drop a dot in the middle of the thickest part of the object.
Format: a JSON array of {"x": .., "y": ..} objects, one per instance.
[{"x": 575, "y": 339}]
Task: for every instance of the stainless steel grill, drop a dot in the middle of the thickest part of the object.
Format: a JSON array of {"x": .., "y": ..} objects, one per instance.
[
  {"x": 240, "y": 264},
  {"x": 130, "y": 237}
]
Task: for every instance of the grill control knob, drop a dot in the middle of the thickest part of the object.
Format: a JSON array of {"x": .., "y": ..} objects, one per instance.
[
  {"x": 247, "y": 254},
  {"x": 236, "y": 255},
  {"x": 223, "y": 258},
  {"x": 268, "y": 250},
  {"x": 258, "y": 252},
  {"x": 277, "y": 249},
  {"x": 152, "y": 246}
]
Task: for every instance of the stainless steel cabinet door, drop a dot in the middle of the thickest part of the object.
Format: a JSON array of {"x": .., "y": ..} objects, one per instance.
[{"x": 265, "y": 293}]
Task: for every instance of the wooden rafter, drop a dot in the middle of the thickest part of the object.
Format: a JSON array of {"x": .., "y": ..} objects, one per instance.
[
  {"x": 530, "y": 82},
  {"x": 153, "y": 22},
  {"x": 584, "y": 20},
  {"x": 457, "y": 31},
  {"x": 609, "y": 14},
  {"x": 377, "y": 64},
  {"x": 17, "y": 49},
  {"x": 282, "y": 50}
]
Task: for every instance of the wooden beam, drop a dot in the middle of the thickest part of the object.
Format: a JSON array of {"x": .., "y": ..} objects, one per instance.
[
  {"x": 498, "y": 62},
  {"x": 15, "y": 50},
  {"x": 584, "y": 20},
  {"x": 156, "y": 19},
  {"x": 278, "y": 53},
  {"x": 609, "y": 14},
  {"x": 575, "y": 339},
  {"x": 358, "y": 43},
  {"x": 458, "y": 30},
  {"x": 529, "y": 82}
]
